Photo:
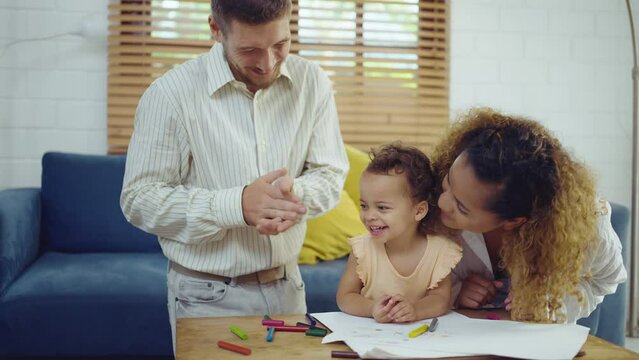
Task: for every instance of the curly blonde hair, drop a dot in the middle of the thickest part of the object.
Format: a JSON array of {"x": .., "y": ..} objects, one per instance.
[{"x": 541, "y": 182}]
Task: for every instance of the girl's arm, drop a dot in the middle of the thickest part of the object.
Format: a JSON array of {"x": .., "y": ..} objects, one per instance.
[
  {"x": 349, "y": 298},
  {"x": 436, "y": 303}
]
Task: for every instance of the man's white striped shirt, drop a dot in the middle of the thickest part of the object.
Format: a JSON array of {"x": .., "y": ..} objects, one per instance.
[{"x": 200, "y": 136}]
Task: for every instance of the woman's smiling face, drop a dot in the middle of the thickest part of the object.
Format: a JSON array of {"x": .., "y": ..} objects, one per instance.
[{"x": 464, "y": 199}]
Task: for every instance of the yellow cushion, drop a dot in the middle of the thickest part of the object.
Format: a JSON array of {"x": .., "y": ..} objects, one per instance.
[
  {"x": 327, "y": 236},
  {"x": 358, "y": 161}
]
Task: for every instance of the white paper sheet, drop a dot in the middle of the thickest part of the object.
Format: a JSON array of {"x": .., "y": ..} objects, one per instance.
[{"x": 455, "y": 335}]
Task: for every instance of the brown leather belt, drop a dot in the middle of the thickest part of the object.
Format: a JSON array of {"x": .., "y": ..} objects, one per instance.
[{"x": 260, "y": 277}]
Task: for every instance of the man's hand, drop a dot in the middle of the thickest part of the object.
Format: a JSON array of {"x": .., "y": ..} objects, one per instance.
[
  {"x": 403, "y": 311},
  {"x": 268, "y": 203},
  {"x": 381, "y": 309},
  {"x": 476, "y": 291}
]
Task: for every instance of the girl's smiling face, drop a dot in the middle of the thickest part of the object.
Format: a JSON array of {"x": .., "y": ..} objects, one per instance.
[{"x": 387, "y": 209}]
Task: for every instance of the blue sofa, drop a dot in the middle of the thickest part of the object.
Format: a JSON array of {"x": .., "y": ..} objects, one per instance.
[{"x": 77, "y": 280}]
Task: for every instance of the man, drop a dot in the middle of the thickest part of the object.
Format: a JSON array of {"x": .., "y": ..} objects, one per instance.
[{"x": 231, "y": 153}]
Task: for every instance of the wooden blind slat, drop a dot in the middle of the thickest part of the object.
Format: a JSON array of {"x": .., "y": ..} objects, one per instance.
[
  {"x": 193, "y": 30},
  {"x": 131, "y": 55},
  {"x": 205, "y": 44},
  {"x": 425, "y": 23},
  {"x": 429, "y": 6}
]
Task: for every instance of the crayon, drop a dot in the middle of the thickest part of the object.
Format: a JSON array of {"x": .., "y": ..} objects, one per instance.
[
  {"x": 433, "y": 325},
  {"x": 316, "y": 332},
  {"x": 418, "y": 331},
  {"x": 344, "y": 354},
  {"x": 272, "y": 322},
  {"x": 270, "y": 334},
  {"x": 237, "y": 331},
  {"x": 290, "y": 328},
  {"x": 311, "y": 320},
  {"x": 232, "y": 347}
]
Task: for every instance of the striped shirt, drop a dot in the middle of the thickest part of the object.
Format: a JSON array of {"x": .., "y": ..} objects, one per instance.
[{"x": 200, "y": 137}]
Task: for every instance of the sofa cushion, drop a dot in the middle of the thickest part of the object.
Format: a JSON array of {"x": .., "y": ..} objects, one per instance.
[
  {"x": 357, "y": 161},
  {"x": 81, "y": 206},
  {"x": 109, "y": 304},
  {"x": 327, "y": 235}
]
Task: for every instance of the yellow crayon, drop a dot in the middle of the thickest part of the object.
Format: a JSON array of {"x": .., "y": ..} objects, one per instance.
[{"x": 420, "y": 330}]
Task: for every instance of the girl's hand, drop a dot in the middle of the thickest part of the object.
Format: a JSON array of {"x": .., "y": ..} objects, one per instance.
[
  {"x": 476, "y": 291},
  {"x": 509, "y": 302},
  {"x": 381, "y": 309},
  {"x": 403, "y": 311}
]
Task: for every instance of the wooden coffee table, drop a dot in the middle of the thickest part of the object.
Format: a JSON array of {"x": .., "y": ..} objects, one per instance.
[{"x": 197, "y": 339}]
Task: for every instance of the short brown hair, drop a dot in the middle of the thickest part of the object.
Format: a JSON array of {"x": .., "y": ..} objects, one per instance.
[{"x": 252, "y": 12}]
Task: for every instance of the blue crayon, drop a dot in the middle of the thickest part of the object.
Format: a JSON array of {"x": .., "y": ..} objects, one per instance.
[
  {"x": 311, "y": 320},
  {"x": 271, "y": 332}
]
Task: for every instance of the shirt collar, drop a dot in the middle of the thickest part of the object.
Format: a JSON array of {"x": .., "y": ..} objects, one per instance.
[
  {"x": 220, "y": 73},
  {"x": 284, "y": 70}
]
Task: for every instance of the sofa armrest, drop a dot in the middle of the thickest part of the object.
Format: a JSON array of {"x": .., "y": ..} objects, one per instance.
[
  {"x": 19, "y": 232},
  {"x": 612, "y": 324}
]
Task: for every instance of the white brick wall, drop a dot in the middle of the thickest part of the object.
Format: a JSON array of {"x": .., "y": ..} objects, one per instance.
[
  {"x": 566, "y": 63},
  {"x": 52, "y": 92}
]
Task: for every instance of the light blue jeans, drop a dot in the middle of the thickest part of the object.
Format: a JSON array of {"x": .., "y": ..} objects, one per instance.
[{"x": 195, "y": 297}]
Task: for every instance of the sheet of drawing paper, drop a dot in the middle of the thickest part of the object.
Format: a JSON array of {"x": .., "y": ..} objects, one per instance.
[{"x": 456, "y": 335}]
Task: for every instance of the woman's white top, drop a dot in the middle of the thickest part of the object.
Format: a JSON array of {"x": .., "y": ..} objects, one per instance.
[{"x": 603, "y": 270}]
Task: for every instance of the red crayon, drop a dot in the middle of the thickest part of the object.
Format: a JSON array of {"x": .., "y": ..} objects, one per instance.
[
  {"x": 291, "y": 328},
  {"x": 233, "y": 347},
  {"x": 344, "y": 354}
]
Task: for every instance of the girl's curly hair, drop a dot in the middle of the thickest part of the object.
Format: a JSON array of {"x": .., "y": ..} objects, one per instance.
[{"x": 540, "y": 181}]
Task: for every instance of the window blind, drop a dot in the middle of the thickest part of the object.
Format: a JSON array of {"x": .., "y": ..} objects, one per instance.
[{"x": 388, "y": 60}]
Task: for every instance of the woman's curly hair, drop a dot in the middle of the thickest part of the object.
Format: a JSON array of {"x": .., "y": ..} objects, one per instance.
[{"x": 540, "y": 181}]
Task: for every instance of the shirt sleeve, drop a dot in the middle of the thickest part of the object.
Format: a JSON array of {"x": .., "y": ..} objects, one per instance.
[
  {"x": 449, "y": 256},
  {"x": 320, "y": 184},
  {"x": 153, "y": 197},
  {"x": 604, "y": 270},
  {"x": 362, "y": 256}
]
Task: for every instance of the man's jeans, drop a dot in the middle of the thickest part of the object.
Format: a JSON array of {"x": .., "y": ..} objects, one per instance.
[{"x": 195, "y": 297}]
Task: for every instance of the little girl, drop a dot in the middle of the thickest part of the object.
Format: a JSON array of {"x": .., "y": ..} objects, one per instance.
[{"x": 399, "y": 271}]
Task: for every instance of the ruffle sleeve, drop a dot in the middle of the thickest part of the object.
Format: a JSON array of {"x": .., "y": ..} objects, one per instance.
[
  {"x": 361, "y": 251},
  {"x": 450, "y": 253}
]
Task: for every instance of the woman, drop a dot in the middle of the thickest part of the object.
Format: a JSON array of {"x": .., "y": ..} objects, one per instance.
[{"x": 534, "y": 230}]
